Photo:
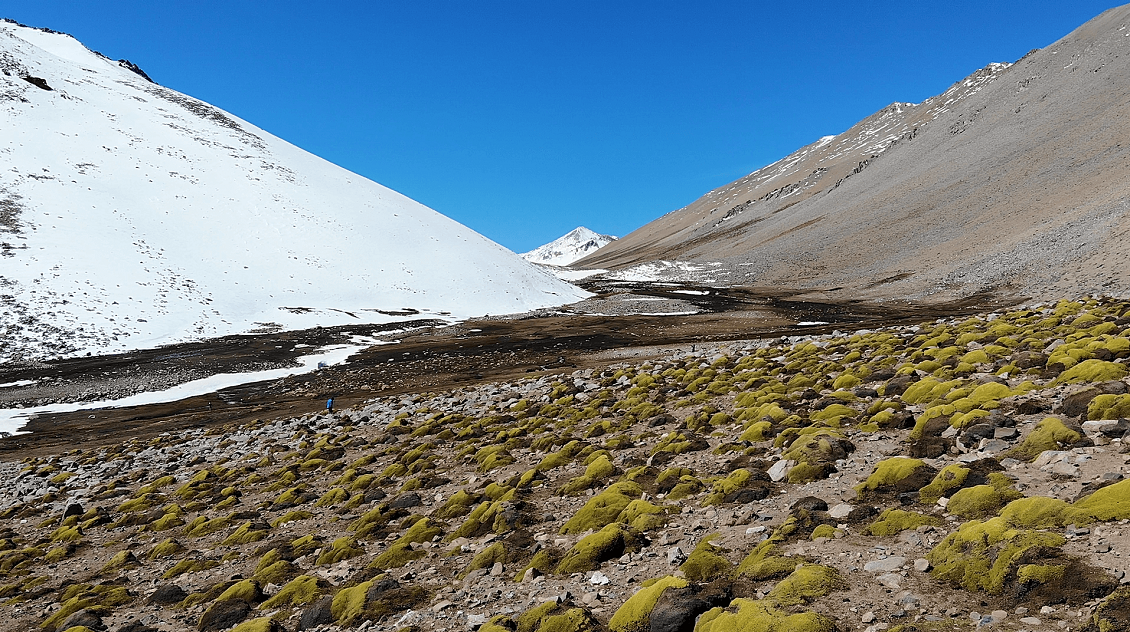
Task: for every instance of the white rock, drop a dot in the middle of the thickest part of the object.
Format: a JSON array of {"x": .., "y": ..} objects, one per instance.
[
  {"x": 890, "y": 580},
  {"x": 840, "y": 511},
  {"x": 779, "y": 470},
  {"x": 885, "y": 565},
  {"x": 1048, "y": 457},
  {"x": 921, "y": 565},
  {"x": 1030, "y": 620},
  {"x": 599, "y": 579}
]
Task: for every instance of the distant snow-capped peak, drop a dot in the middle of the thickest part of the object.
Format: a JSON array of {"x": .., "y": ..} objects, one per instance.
[{"x": 576, "y": 245}]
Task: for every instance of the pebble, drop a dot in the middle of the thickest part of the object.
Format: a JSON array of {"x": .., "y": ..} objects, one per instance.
[
  {"x": 840, "y": 511},
  {"x": 1030, "y": 620},
  {"x": 921, "y": 565},
  {"x": 599, "y": 579},
  {"x": 779, "y": 470},
  {"x": 999, "y": 615},
  {"x": 890, "y": 580},
  {"x": 675, "y": 556},
  {"x": 867, "y": 617},
  {"x": 885, "y": 565}
]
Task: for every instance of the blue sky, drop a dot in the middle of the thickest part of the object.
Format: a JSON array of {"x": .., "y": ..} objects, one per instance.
[{"x": 524, "y": 119}]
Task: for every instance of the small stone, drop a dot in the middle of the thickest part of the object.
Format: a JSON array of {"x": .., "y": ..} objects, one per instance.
[
  {"x": 1030, "y": 620},
  {"x": 590, "y": 598},
  {"x": 975, "y": 617},
  {"x": 753, "y": 530},
  {"x": 999, "y": 615},
  {"x": 921, "y": 565},
  {"x": 779, "y": 470},
  {"x": 890, "y": 580},
  {"x": 1047, "y": 457},
  {"x": 885, "y": 565},
  {"x": 867, "y": 617},
  {"x": 1005, "y": 433},
  {"x": 1020, "y": 610},
  {"x": 475, "y": 621},
  {"x": 1046, "y": 610},
  {"x": 496, "y": 570},
  {"x": 908, "y": 599},
  {"x": 910, "y": 537},
  {"x": 1102, "y": 548},
  {"x": 599, "y": 579},
  {"x": 840, "y": 511},
  {"x": 675, "y": 556},
  {"x": 442, "y": 605},
  {"x": 1062, "y": 469}
]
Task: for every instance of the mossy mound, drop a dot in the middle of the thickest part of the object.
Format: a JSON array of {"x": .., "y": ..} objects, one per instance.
[
  {"x": 985, "y": 555},
  {"x": 981, "y": 501},
  {"x": 706, "y": 562},
  {"x": 487, "y": 558},
  {"x": 1112, "y": 614},
  {"x": 896, "y": 475},
  {"x": 603, "y": 508},
  {"x": 597, "y": 471},
  {"x": 554, "y": 617},
  {"x": 951, "y": 477},
  {"x": 729, "y": 489},
  {"x": 100, "y": 600},
  {"x": 189, "y": 566},
  {"x": 262, "y": 624},
  {"x": 1109, "y": 407},
  {"x": 401, "y": 551},
  {"x": 301, "y": 590},
  {"x": 895, "y": 521},
  {"x": 1092, "y": 371},
  {"x": 764, "y": 563},
  {"x": 374, "y": 600},
  {"x": 635, "y": 614},
  {"x": 610, "y": 542},
  {"x": 760, "y": 616},
  {"x": 1049, "y": 434},
  {"x": 343, "y": 548},
  {"x": 248, "y": 532},
  {"x": 121, "y": 560},
  {"x": 805, "y": 584}
]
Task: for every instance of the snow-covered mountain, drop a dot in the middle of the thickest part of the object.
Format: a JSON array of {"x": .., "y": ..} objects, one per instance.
[
  {"x": 577, "y": 244},
  {"x": 132, "y": 215}
]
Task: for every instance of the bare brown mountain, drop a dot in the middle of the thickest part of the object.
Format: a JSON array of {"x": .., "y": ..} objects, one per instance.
[{"x": 1015, "y": 180}]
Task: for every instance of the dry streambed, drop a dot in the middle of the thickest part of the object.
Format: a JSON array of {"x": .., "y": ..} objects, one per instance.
[{"x": 962, "y": 472}]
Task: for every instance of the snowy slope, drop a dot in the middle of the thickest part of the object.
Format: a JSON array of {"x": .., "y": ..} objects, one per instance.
[
  {"x": 577, "y": 244},
  {"x": 132, "y": 215}
]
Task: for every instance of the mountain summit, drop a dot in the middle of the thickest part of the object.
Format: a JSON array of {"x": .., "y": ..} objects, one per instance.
[
  {"x": 132, "y": 215},
  {"x": 578, "y": 243},
  {"x": 1015, "y": 181}
]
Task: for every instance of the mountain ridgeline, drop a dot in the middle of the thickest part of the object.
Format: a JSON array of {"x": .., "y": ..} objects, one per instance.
[{"x": 1015, "y": 181}]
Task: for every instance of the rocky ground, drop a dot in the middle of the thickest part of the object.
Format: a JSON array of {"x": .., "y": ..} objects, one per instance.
[{"x": 962, "y": 472}]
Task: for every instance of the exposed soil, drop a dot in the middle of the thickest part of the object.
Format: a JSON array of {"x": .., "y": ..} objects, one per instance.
[{"x": 430, "y": 358}]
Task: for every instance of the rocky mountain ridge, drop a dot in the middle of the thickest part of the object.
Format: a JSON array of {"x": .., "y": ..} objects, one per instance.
[{"x": 1013, "y": 181}]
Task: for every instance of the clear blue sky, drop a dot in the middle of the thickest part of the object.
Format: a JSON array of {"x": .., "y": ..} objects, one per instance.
[{"x": 523, "y": 119}]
